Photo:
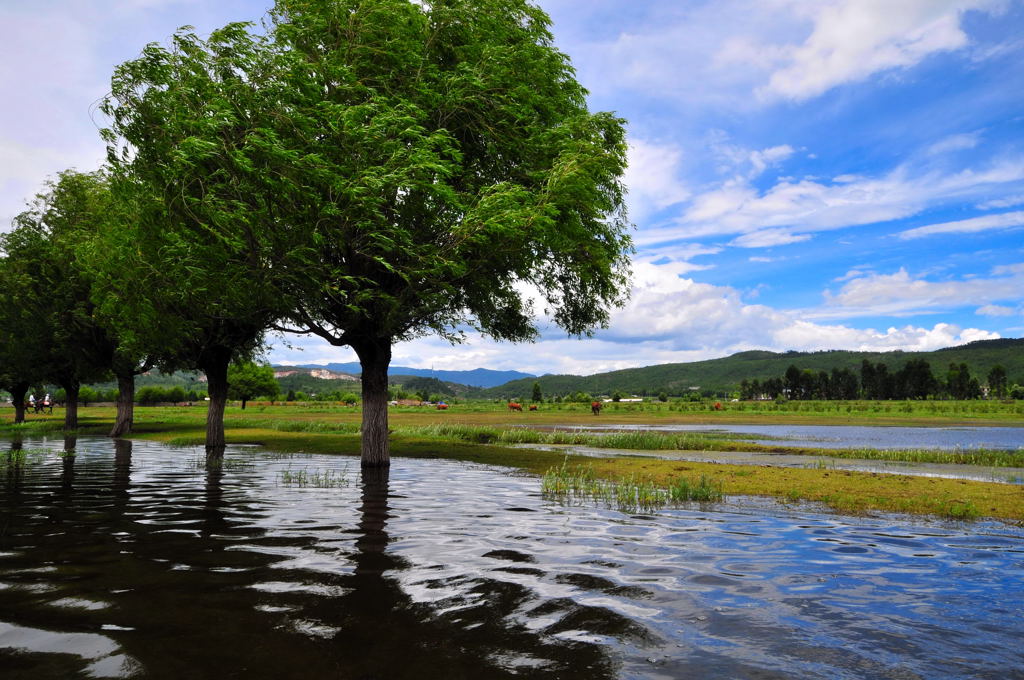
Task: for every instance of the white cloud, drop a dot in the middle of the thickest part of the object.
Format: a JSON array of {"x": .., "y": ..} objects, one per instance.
[
  {"x": 1009, "y": 269},
  {"x": 955, "y": 143},
  {"x": 974, "y": 224},
  {"x": 767, "y": 238},
  {"x": 854, "y": 39},
  {"x": 807, "y": 205},
  {"x": 742, "y": 162},
  {"x": 995, "y": 310},
  {"x": 653, "y": 178},
  {"x": 899, "y": 293},
  {"x": 1006, "y": 202}
]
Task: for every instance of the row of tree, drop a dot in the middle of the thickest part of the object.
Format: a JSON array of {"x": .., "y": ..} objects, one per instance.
[
  {"x": 913, "y": 380},
  {"x": 362, "y": 171}
]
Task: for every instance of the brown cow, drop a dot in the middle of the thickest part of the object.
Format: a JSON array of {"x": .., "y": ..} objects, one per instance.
[
  {"x": 533, "y": 407},
  {"x": 513, "y": 406},
  {"x": 595, "y": 407},
  {"x": 442, "y": 407}
]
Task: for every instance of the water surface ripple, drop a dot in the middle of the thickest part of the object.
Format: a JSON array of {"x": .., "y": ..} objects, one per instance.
[{"x": 133, "y": 561}]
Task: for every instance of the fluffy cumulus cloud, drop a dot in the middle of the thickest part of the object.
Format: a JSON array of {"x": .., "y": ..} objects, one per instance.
[{"x": 854, "y": 39}]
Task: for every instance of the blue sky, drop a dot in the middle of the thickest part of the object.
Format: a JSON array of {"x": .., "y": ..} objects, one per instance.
[{"x": 804, "y": 174}]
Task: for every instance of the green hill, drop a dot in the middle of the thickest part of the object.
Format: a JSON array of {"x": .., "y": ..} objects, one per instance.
[{"x": 724, "y": 375}]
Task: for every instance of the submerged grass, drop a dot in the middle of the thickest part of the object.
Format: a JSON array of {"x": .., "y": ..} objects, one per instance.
[
  {"x": 15, "y": 458},
  {"x": 580, "y": 483},
  {"x": 319, "y": 479}
]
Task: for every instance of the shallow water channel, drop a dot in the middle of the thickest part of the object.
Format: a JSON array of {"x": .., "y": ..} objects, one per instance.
[
  {"x": 132, "y": 560},
  {"x": 852, "y": 436}
]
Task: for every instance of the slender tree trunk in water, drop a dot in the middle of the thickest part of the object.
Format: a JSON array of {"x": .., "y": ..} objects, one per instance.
[
  {"x": 216, "y": 368},
  {"x": 71, "y": 406},
  {"x": 374, "y": 357},
  {"x": 18, "y": 392},
  {"x": 125, "y": 405}
]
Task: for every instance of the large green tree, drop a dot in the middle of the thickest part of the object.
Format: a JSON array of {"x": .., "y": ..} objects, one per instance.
[
  {"x": 51, "y": 287},
  {"x": 247, "y": 380},
  {"x": 450, "y": 166}
]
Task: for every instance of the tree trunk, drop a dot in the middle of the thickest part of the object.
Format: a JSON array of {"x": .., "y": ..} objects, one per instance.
[
  {"x": 215, "y": 365},
  {"x": 71, "y": 405},
  {"x": 18, "y": 392},
  {"x": 243, "y": 403},
  {"x": 125, "y": 405},
  {"x": 374, "y": 358}
]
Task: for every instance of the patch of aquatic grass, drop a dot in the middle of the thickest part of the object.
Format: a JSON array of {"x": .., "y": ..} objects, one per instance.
[
  {"x": 705, "y": 490},
  {"x": 580, "y": 484},
  {"x": 319, "y": 479},
  {"x": 220, "y": 463},
  {"x": 186, "y": 442},
  {"x": 983, "y": 457},
  {"x": 285, "y": 455},
  {"x": 822, "y": 464},
  {"x": 20, "y": 457}
]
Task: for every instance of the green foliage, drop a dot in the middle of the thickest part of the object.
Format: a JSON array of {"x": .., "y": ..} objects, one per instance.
[
  {"x": 997, "y": 382},
  {"x": 537, "y": 395},
  {"x": 249, "y": 380},
  {"x": 452, "y": 157},
  {"x": 152, "y": 394},
  {"x": 46, "y": 307}
]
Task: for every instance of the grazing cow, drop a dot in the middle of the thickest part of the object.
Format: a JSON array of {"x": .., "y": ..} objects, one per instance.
[
  {"x": 442, "y": 407},
  {"x": 533, "y": 407},
  {"x": 513, "y": 406},
  {"x": 718, "y": 406},
  {"x": 595, "y": 407}
]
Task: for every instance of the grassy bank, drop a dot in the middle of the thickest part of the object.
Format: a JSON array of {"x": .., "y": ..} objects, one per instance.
[{"x": 485, "y": 436}]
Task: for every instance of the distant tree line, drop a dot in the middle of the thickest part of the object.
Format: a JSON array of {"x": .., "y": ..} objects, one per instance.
[{"x": 914, "y": 380}]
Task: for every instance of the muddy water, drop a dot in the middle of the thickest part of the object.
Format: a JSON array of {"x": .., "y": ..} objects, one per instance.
[{"x": 135, "y": 562}]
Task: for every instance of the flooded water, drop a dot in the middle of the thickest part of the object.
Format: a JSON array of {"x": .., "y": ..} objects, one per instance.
[
  {"x": 134, "y": 561},
  {"x": 854, "y": 436}
]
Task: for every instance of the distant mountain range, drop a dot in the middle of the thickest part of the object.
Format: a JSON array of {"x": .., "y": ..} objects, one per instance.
[{"x": 478, "y": 377}]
